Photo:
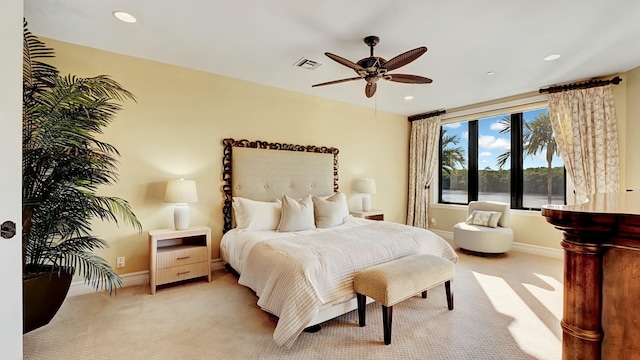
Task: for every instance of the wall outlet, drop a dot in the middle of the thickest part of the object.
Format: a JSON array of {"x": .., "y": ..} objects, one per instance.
[
  {"x": 434, "y": 221},
  {"x": 120, "y": 262}
]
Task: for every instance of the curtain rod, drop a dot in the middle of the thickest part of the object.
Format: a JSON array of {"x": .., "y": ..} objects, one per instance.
[
  {"x": 581, "y": 85},
  {"x": 426, "y": 115}
]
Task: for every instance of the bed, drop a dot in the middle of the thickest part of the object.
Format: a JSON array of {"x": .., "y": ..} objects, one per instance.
[{"x": 289, "y": 236}]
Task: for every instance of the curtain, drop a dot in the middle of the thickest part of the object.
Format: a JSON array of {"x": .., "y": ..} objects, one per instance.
[
  {"x": 584, "y": 126},
  {"x": 423, "y": 159}
]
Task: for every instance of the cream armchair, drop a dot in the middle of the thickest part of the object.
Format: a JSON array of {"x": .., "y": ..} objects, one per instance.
[{"x": 486, "y": 229}]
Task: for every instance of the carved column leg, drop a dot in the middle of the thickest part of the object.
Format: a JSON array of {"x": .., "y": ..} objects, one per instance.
[{"x": 581, "y": 323}]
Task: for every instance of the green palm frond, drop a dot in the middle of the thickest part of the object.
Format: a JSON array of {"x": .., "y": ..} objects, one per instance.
[
  {"x": 36, "y": 74},
  {"x": 112, "y": 208},
  {"x": 501, "y": 160},
  {"x": 505, "y": 124},
  {"x": 505, "y": 127},
  {"x": 96, "y": 272},
  {"x": 452, "y": 155},
  {"x": 64, "y": 164}
]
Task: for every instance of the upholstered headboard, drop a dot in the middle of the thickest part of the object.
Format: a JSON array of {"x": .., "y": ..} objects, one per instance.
[{"x": 263, "y": 171}]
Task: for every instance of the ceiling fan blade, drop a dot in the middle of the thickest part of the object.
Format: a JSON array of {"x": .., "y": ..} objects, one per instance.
[
  {"x": 404, "y": 58},
  {"x": 408, "y": 79},
  {"x": 370, "y": 89},
  {"x": 336, "y": 81},
  {"x": 345, "y": 62}
]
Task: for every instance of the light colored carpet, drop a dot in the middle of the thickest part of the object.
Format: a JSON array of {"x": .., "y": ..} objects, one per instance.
[{"x": 505, "y": 308}]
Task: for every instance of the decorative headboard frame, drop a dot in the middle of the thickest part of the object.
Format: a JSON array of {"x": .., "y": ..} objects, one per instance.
[{"x": 228, "y": 166}]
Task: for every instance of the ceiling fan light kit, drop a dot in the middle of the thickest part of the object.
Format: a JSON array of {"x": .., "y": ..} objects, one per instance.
[{"x": 374, "y": 68}]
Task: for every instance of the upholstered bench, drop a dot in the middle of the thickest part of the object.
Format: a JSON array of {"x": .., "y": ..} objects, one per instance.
[{"x": 394, "y": 281}]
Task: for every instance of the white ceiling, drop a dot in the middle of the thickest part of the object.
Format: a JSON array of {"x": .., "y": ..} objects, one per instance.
[{"x": 259, "y": 41}]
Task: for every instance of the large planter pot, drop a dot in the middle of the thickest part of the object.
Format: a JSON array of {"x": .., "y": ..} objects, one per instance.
[{"x": 42, "y": 297}]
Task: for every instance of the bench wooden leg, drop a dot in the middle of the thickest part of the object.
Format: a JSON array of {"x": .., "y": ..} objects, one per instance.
[
  {"x": 387, "y": 317},
  {"x": 362, "y": 308},
  {"x": 424, "y": 294},
  {"x": 447, "y": 288}
]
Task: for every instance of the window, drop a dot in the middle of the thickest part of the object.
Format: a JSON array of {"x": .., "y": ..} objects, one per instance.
[
  {"x": 454, "y": 141},
  {"x": 509, "y": 158},
  {"x": 494, "y": 182}
]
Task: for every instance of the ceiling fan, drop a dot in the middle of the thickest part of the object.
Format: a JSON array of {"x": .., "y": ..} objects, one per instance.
[{"x": 374, "y": 68}]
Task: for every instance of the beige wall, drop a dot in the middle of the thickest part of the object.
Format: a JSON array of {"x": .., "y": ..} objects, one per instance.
[
  {"x": 176, "y": 130},
  {"x": 531, "y": 228}
]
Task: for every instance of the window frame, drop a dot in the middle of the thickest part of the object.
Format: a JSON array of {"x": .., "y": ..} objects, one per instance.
[{"x": 516, "y": 191}]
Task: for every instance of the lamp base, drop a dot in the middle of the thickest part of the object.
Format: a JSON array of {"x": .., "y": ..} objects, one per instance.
[
  {"x": 181, "y": 216},
  {"x": 366, "y": 202}
]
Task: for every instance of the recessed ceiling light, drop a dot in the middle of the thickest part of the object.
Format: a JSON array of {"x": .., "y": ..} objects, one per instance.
[
  {"x": 489, "y": 73},
  {"x": 124, "y": 17},
  {"x": 408, "y": 97},
  {"x": 552, "y": 57}
]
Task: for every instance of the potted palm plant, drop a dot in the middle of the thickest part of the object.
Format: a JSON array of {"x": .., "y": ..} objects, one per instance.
[{"x": 63, "y": 165}]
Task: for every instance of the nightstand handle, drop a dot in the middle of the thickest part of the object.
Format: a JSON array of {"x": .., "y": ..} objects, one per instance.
[
  {"x": 184, "y": 272},
  {"x": 183, "y": 258}
]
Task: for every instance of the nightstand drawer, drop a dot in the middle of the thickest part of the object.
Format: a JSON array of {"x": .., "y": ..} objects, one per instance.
[
  {"x": 180, "y": 255},
  {"x": 183, "y": 272}
]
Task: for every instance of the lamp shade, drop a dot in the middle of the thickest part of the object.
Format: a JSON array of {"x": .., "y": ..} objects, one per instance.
[
  {"x": 181, "y": 191},
  {"x": 365, "y": 186}
]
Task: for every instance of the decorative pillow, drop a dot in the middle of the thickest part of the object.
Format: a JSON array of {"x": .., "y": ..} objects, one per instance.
[
  {"x": 330, "y": 211},
  {"x": 296, "y": 215},
  {"x": 256, "y": 215},
  {"x": 484, "y": 218}
]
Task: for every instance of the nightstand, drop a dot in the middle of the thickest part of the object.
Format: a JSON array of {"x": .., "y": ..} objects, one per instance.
[
  {"x": 371, "y": 215},
  {"x": 176, "y": 255}
]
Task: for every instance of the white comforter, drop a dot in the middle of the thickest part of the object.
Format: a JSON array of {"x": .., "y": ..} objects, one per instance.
[{"x": 293, "y": 274}]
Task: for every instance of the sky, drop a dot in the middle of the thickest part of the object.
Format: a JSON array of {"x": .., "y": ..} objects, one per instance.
[{"x": 491, "y": 143}]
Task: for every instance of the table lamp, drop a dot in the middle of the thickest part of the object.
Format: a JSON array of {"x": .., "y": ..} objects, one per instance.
[
  {"x": 366, "y": 187},
  {"x": 181, "y": 192}
]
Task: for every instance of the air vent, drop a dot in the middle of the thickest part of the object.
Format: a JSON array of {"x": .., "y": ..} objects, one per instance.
[{"x": 307, "y": 64}]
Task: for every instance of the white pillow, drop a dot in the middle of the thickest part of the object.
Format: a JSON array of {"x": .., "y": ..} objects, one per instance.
[
  {"x": 296, "y": 215},
  {"x": 484, "y": 218},
  {"x": 330, "y": 211},
  {"x": 256, "y": 215}
]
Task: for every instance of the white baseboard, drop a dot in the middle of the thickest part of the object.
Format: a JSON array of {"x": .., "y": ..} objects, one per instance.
[
  {"x": 519, "y": 247},
  {"x": 129, "y": 279},
  {"x": 217, "y": 264},
  {"x": 539, "y": 250}
]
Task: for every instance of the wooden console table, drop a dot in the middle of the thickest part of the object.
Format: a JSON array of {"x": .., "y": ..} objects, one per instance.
[{"x": 601, "y": 239}]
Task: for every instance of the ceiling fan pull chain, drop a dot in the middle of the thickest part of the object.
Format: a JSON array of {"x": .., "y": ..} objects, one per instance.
[{"x": 375, "y": 105}]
